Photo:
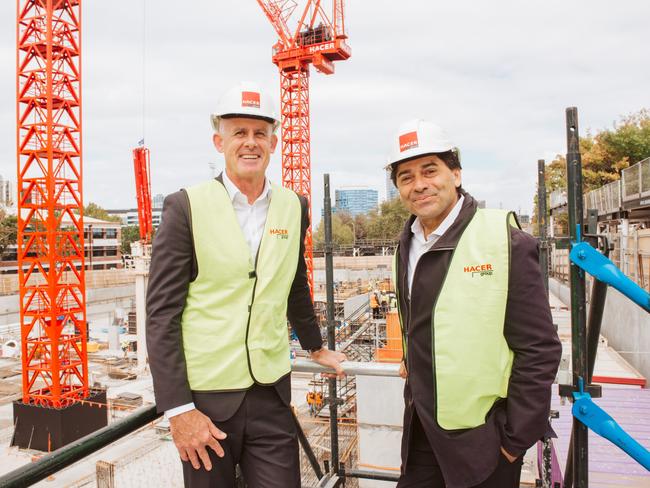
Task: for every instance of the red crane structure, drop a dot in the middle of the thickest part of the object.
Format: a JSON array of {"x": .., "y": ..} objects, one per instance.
[
  {"x": 143, "y": 192},
  {"x": 50, "y": 217},
  {"x": 316, "y": 40}
]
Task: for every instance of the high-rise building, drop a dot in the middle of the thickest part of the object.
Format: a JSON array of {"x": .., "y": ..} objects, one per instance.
[
  {"x": 130, "y": 217},
  {"x": 158, "y": 200},
  {"x": 7, "y": 192},
  {"x": 391, "y": 190},
  {"x": 356, "y": 200}
]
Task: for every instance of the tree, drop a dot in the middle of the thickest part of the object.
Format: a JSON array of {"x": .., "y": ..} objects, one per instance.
[
  {"x": 604, "y": 155},
  {"x": 95, "y": 211},
  {"x": 388, "y": 222},
  {"x": 8, "y": 231},
  {"x": 341, "y": 231},
  {"x": 130, "y": 233}
]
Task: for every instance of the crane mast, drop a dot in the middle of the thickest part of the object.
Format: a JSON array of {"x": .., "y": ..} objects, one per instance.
[
  {"x": 320, "y": 45},
  {"x": 50, "y": 206},
  {"x": 143, "y": 192}
]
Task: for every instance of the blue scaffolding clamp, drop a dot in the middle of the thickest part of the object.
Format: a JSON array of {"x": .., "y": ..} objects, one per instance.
[
  {"x": 596, "y": 419},
  {"x": 593, "y": 262}
]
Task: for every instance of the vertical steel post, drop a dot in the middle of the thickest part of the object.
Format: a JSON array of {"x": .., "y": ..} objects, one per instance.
[
  {"x": 541, "y": 221},
  {"x": 578, "y": 305},
  {"x": 331, "y": 340},
  {"x": 597, "y": 300}
]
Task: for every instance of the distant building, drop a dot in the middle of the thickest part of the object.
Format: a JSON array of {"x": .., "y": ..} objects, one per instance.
[
  {"x": 130, "y": 217},
  {"x": 7, "y": 192},
  {"x": 102, "y": 243},
  {"x": 356, "y": 201},
  {"x": 481, "y": 203},
  {"x": 157, "y": 201},
  {"x": 391, "y": 190}
]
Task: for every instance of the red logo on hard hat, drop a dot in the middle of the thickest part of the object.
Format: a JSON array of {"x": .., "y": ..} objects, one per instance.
[
  {"x": 408, "y": 141},
  {"x": 250, "y": 99}
]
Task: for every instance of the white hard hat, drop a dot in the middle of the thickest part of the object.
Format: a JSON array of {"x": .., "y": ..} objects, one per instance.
[
  {"x": 417, "y": 138},
  {"x": 245, "y": 99}
]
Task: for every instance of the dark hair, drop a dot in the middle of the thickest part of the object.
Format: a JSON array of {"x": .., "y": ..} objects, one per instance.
[{"x": 450, "y": 158}]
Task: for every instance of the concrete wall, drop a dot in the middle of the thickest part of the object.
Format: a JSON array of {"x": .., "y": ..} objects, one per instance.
[
  {"x": 627, "y": 328},
  {"x": 380, "y": 410},
  {"x": 625, "y": 325},
  {"x": 348, "y": 268}
]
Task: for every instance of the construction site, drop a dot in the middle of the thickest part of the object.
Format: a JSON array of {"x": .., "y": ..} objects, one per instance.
[{"x": 77, "y": 403}]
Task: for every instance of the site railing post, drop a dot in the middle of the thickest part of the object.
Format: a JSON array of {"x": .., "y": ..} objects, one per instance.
[
  {"x": 331, "y": 329},
  {"x": 541, "y": 221},
  {"x": 578, "y": 306}
]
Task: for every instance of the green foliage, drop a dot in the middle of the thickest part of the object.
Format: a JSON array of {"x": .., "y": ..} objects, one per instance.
[
  {"x": 604, "y": 155},
  {"x": 342, "y": 234},
  {"x": 95, "y": 211},
  {"x": 389, "y": 221},
  {"x": 130, "y": 233},
  {"x": 8, "y": 232},
  {"x": 386, "y": 224}
]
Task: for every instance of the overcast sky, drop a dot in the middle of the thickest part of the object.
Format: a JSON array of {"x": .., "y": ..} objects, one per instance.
[{"x": 497, "y": 75}]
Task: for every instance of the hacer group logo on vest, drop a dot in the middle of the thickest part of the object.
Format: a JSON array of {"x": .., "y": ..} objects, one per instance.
[
  {"x": 279, "y": 233},
  {"x": 479, "y": 269},
  {"x": 250, "y": 99}
]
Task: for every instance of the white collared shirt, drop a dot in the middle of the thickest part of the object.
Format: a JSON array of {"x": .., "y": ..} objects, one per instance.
[
  {"x": 421, "y": 243},
  {"x": 252, "y": 219}
]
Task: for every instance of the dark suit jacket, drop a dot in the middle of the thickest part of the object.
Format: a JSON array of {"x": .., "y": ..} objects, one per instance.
[
  {"x": 173, "y": 267},
  {"x": 467, "y": 457}
]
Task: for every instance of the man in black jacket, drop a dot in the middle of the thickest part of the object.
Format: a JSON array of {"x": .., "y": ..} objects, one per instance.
[
  {"x": 481, "y": 351},
  {"x": 227, "y": 270}
]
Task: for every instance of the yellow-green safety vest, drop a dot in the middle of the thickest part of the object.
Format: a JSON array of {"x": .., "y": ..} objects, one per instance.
[
  {"x": 471, "y": 358},
  {"x": 234, "y": 324}
]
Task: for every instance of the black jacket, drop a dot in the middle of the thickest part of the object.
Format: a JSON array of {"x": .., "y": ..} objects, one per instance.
[
  {"x": 173, "y": 267},
  {"x": 467, "y": 457}
]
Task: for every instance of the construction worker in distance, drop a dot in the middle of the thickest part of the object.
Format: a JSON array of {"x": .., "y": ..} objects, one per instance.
[
  {"x": 480, "y": 348},
  {"x": 227, "y": 271},
  {"x": 374, "y": 305}
]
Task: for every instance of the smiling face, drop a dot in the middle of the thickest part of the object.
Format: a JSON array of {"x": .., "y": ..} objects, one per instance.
[
  {"x": 427, "y": 187},
  {"x": 247, "y": 145}
]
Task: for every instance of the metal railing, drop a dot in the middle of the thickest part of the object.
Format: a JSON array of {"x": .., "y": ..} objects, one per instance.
[
  {"x": 633, "y": 185},
  {"x": 61, "y": 458},
  {"x": 635, "y": 180},
  {"x": 606, "y": 199}
]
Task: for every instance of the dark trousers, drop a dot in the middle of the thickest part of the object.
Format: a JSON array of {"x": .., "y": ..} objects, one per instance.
[
  {"x": 262, "y": 439},
  {"x": 422, "y": 470}
]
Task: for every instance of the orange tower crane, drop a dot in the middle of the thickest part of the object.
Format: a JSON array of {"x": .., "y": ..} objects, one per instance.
[
  {"x": 55, "y": 406},
  {"x": 50, "y": 207},
  {"x": 143, "y": 192},
  {"x": 316, "y": 40}
]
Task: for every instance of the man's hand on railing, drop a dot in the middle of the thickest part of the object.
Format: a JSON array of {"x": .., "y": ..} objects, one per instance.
[
  {"x": 193, "y": 432},
  {"x": 329, "y": 359},
  {"x": 402, "y": 370}
]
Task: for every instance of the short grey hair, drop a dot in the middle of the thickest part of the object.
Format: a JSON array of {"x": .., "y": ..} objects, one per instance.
[{"x": 216, "y": 122}]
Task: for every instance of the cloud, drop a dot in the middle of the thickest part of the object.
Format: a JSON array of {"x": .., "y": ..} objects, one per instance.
[{"x": 498, "y": 75}]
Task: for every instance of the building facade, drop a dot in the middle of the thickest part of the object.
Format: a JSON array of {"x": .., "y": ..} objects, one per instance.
[
  {"x": 391, "y": 190},
  {"x": 7, "y": 193},
  {"x": 157, "y": 200},
  {"x": 130, "y": 217},
  {"x": 102, "y": 244},
  {"x": 356, "y": 201}
]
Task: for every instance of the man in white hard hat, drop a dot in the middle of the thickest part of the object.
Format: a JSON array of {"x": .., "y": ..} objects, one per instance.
[
  {"x": 227, "y": 271},
  {"x": 480, "y": 348}
]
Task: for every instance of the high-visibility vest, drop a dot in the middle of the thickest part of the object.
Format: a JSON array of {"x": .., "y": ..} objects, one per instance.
[
  {"x": 234, "y": 324},
  {"x": 471, "y": 358}
]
